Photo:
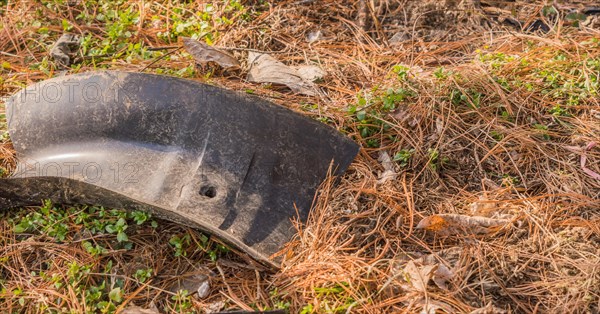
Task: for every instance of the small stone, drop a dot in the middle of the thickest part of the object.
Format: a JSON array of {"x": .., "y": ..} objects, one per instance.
[
  {"x": 314, "y": 36},
  {"x": 204, "y": 289},
  {"x": 399, "y": 38}
]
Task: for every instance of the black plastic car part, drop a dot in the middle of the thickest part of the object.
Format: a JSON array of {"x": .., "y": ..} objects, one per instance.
[{"x": 231, "y": 164}]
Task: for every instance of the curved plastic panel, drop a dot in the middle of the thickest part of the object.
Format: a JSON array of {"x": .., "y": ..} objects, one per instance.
[{"x": 231, "y": 164}]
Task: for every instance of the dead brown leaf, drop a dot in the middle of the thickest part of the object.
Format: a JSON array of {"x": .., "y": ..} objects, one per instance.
[
  {"x": 65, "y": 49},
  {"x": 266, "y": 69},
  {"x": 583, "y": 161},
  {"x": 198, "y": 284},
  {"x": 388, "y": 168},
  {"x": 455, "y": 224},
  {"x": 139, "y": 310},
  {"x": 488, "y": 309},
  {"x": 419, "y": 275},
  {"x": 310, "y": 72},
  {"x": 429, "y": 306},
  {"x": 204, "y": 53}
]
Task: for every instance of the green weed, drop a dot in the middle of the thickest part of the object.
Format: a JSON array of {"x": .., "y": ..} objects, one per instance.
[
  {"x": 371, "y": 110},
  {"x": 403, "y": 156},
  {"x": 63, "y": 223}
]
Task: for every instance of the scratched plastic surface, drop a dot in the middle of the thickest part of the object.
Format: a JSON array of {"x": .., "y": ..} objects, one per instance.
[{"x": 231, "y": 164}]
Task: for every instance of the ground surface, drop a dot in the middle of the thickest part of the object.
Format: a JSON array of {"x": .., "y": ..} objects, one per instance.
[{"x": 476, "y": 188}]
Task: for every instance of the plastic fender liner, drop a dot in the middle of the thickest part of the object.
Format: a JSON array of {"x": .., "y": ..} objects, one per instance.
[{"x": 234, "y": 165}]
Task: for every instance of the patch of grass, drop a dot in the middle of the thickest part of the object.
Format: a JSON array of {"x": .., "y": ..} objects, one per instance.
[
  {"x": 204, "y": 23},
  {"x": 58, "y": 222},
  {"x": 121, "y": 30},
  {"x": 371, "y": 110},
  {"x": 401, "y": 71},
  {"x": 182, "y": 302},
  {"x": 403, "y": 156},
  {"x": 442, "y": 74},
  {"x": 179, "y": 243},
  {"x": 98, "y": 235},
  {"x": 542, "y": 130},
  {"x": 567, "y": 79},
  {"x": 435, "y": 161},
  {"x": 329, "y": 296},
  {"x": 470, "y": 98},
  {"x": 143, "y": 274}
]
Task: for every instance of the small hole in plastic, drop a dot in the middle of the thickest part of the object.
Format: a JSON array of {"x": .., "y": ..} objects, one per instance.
[{"x": 208, "y": 191}]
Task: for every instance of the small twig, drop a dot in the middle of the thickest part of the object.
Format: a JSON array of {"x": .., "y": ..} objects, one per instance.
[
  {"x": 248, "y": 49},
  {"x": 83, "y": 58},
  {"x": 162, "y": 48},
  {"x": 10, "y": 54},
  {"x": 160, "y": 58},
  {"x": 362, "y": 18},
  {"x": 217, "y": 47}
]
